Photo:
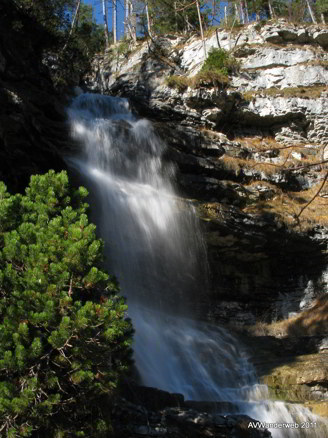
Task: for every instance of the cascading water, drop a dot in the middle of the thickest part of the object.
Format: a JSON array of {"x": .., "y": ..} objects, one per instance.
[{"x": 157, "y": 252}]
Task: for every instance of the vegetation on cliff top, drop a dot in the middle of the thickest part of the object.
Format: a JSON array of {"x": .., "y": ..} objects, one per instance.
[
  {"x": 64, "y": 338},
  {"x": 72, "y": 41},
  {"x": 215, "y": 72}
]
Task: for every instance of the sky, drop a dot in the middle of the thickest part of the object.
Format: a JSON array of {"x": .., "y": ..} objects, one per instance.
[{"x": 98, "y": 14}]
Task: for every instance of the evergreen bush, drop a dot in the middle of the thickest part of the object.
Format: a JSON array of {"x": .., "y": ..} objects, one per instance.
[
  {"x": 220, "y": 61},
  {"x": 64, "y": 336}
]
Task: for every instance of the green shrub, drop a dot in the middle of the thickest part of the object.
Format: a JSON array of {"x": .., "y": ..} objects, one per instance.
[
  {"x": 64, "y": 339},
  {"x": 123, "y": 47},
  {"x": 221, "y": 61},
  {"x": 218, "y": 65}
]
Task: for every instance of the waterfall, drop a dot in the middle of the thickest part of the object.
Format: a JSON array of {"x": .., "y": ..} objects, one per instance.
[{"x": 155, "y": 248}]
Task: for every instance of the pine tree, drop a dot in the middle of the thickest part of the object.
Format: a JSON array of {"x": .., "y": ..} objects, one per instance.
[{"x": 64, "y": 338}]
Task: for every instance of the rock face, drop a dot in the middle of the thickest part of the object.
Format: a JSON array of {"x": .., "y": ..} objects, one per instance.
[
  {"x": 32, "y": 122},
  {"x": 294, "y": 369},
  {"x": 246, "y": 155},
  {"x": 170, "y": 416}
]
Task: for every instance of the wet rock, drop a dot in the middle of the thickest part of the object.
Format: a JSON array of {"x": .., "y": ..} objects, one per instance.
[
  {"x": 150, "y": 398},
  {"x": 318, "y": 408},
  {"x": 131, "y": 421},
  {"x": 301, "y": 378}
]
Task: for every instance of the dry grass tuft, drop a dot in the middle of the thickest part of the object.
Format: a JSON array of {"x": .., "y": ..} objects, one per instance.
[
  {"x": 201, "y": 79},
  {"x": 302, "y": 92},
  {"x": 258, "y": 143},
  {"x": 285, "y": 206},
  {"x": 181, "y": 83},
  {"x": 239, "y": 164},
  {"x": 311, "y": 322},
  {"x": 210, "y": 78}
]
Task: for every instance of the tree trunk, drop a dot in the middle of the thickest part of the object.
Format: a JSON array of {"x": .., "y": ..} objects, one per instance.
[
  {"x": 242, "y": 15},
  {"x": 73, "y": 24},
  {"x": 323, "y": 21},
  {"x": 148, "y": 20},
  {"x": 175, "y": 16},
  {"x": 126, "y": 17},
  {"x": 201, "y": 28},
  {"x": 77, "y": 10},
  {"x": 311, "y": 12},
  {"x": 213, "y": 10},
  {"x": 236, "y": 11},
  {"x": 271, "y": 10},
  {"x": 217, "y": 38},
  {"x": 246, "y": 12},
  {"x": 114, "y": 21},
  {"x": 104, "y": 5},
  {"x": 133, "y": 21}
]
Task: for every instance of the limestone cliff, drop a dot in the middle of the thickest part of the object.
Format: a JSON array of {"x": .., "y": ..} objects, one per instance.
[{"x": 251, "y": 155}]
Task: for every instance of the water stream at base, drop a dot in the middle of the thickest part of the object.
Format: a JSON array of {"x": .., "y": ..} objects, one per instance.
[{"x": 156, "y": 250}]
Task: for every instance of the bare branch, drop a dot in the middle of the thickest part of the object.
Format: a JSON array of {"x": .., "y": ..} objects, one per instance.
[{"x": 313, "y": 198}]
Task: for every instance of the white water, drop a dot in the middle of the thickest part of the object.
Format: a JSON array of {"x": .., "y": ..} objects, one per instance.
[{"x": 155, "y": 248}]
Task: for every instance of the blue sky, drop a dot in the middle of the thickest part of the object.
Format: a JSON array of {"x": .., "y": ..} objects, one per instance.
[{"x": 98, "y": 15}]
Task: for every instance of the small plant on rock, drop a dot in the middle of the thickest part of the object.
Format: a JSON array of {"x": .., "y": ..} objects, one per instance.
[
  {"x": 181, "y": 83},
  {"x": 221, "y": 61}
]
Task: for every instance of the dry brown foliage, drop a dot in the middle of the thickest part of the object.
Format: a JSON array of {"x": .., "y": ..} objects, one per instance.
[
  {"x": 304, "y": 92},
  {"x": 310, "y": 322}
]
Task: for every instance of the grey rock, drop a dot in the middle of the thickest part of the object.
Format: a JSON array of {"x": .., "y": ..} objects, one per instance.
[
  {"x": 323, "y": 347},
  {"x": 272, "y": 36},
  {"x": 273, "y": 57},
  {"x": 321, "y": 37}
]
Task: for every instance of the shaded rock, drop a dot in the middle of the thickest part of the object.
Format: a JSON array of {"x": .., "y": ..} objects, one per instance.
[
  {"x": 303, "y": 36},
  {"x": 132, "y": 421},
  {"x": 321, "y": 37},
  {"x": 272, "y": 36},
  {"x": 33, "y": 126},
  {"x": 151, "y": 398},
  {"x": 212, "y": 407},
  {"x": 2, "y": 63}
]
